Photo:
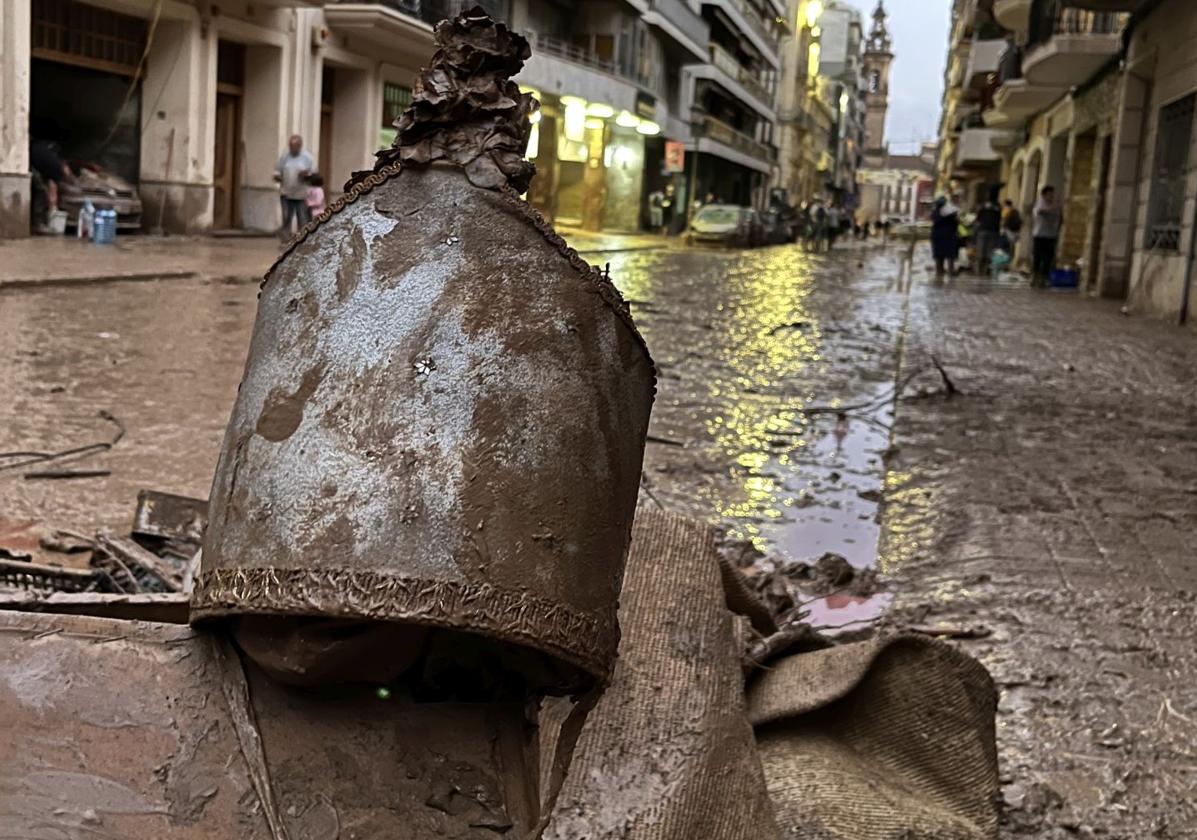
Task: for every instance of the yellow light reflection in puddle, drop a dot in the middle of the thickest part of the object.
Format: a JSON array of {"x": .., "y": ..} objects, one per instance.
[
  {"x": 909, "y": 521},
  {"x": 768, "y": 336}
]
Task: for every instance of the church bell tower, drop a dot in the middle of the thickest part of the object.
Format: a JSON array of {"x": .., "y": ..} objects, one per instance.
[{"x": 877, "y": 60}]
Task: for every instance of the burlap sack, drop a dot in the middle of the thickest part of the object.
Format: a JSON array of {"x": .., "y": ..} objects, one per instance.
[
  {"x": 879, "y": 740},
  {"x": 667, "y": 753}
]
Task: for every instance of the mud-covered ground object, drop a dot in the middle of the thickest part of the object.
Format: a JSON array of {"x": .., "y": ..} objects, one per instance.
[
  {"x": 443, "y": 415},
  {"x": 441, "y": 423}
]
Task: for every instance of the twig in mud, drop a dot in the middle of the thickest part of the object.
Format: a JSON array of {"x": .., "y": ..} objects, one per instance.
[
  {"x": 664, "y": 441},
  {"x": 952, "y": 632},
  {"x": 648, "y": 492},
  {"x": 892, "y": 394},
  {"x": 65, "y": 474},
  {"x": 865, "y": 621},
  {"x": 1166, "y": 705},
  {"x": 74, "y": 452},
  {"x": 948, "y": 384}
]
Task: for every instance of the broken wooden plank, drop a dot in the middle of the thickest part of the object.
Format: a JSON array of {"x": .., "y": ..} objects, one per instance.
[{"x": 166, "y": 607}]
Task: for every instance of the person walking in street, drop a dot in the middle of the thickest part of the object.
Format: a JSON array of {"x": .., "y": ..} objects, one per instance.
[
  {"x": 833, "y": 226},
  {"x": 988, "y": 227},
  {"x": 656, "y": 211},
  {"x": 945, "y": 242},
  {"x": 291, "y": 172},
  {"x": 1045, "y": 228}
]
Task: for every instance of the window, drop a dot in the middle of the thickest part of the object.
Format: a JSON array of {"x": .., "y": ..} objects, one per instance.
[
  {"x": 1169, "y": 174},
  {"x": 395, "y": 99}
]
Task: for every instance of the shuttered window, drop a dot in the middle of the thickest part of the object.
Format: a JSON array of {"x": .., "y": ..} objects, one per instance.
[{"x": 75, "y": 33}]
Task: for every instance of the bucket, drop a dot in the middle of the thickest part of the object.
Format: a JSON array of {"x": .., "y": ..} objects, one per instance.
[
  {"x": 56, "y": 223},
  {"x": 1064, "y": 278}
]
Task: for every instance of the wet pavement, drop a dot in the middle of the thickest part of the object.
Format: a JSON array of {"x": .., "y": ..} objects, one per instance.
[{"x": 1048, "y": 508}]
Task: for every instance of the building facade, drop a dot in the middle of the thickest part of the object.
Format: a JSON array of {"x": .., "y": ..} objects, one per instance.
[
  {"x": 1095, "y": 100},
  {"x": 821, "y": 112},
  {"x": 193, "y": 104}
]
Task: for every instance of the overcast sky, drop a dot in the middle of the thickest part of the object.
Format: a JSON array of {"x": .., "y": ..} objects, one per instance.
[{"x": 919, "y": 30}]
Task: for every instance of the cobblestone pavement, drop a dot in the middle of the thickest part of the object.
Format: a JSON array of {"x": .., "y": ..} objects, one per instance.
[{"x": 1048, "y": 508}]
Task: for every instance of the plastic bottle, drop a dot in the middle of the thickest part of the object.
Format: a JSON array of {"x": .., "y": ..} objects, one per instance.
[{"x": 87, "y": 220}]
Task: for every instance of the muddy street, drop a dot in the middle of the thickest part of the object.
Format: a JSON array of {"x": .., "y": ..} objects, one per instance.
[{"x": 1042, "y": 515}]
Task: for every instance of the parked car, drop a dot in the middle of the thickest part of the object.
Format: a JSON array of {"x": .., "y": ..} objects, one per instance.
[
  {"x": 724, "y": 224},
  {"x": 105, "y": 189},
  {"x": 776, "y": 228}
]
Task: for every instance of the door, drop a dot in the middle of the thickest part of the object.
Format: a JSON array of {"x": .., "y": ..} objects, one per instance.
[{"x": 226, "y": 164}]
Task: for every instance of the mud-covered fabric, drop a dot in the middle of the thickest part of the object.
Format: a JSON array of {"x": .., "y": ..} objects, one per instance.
[
  {"x": 879, "y": 740},
  {"x": 668, "y": 752}
]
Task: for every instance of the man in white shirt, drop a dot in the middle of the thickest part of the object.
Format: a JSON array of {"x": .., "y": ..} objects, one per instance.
[
  {"x": 292, "y": 173},
  {"x": 1045, "y": 228}
]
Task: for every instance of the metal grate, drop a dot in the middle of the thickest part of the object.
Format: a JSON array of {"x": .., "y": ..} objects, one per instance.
[
  {"x": 395, "y": 100},
  {"x": 1170, "y": 174},
  {"x": 75, "y": 33}
]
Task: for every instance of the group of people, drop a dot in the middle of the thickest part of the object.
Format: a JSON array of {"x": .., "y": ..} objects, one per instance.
[{"x": 994, "y": 231}]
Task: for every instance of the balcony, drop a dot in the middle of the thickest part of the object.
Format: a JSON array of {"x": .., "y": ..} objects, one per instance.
[
  {"x": 718, "y": 138},
  {"x": 981, "y": 147},
  {"x": 983, "y": 60},
  {"x": 383, "y": 25},
  {"x": 759, "y": 31},
  {"x": 569, "y": 51},
  {"x": 1066, "y": 45},
  {"x": 738, "y": 80},
  {"x": 681, "y": 26},
  {"x": 1014, "y": 15}
]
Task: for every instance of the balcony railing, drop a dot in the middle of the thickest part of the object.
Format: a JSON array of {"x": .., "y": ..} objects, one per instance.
[
  {"x": 756, "y": 22},
  {"x": 434, "y": 11},
  {"x": 724, "y": 60},
  {"x": 560, "y": 48},
  {"x": 708, "y": 126},
  {"x": 1050, "y": 18}
]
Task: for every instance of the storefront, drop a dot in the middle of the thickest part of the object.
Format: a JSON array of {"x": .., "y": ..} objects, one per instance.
[{"x": 590, "y": 161}]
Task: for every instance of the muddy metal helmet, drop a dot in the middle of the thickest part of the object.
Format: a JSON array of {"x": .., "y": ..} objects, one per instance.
[{"x": 444, "y": 409}]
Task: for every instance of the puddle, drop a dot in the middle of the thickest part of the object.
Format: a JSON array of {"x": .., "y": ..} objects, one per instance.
[{"x": 746, "y": 344}]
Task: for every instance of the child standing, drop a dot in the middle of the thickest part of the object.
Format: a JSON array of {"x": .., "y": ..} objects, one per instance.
[{"x": 315, "y": 196}]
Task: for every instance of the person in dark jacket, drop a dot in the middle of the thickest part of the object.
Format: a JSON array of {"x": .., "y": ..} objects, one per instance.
[
  {"x": 945, "y": 242},
  {"x": 988, "y": 227}
]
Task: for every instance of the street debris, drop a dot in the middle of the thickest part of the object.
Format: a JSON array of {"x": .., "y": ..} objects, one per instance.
[
  {"x": 17, "y": 459},
  {"x": 41, "y": 561}
]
